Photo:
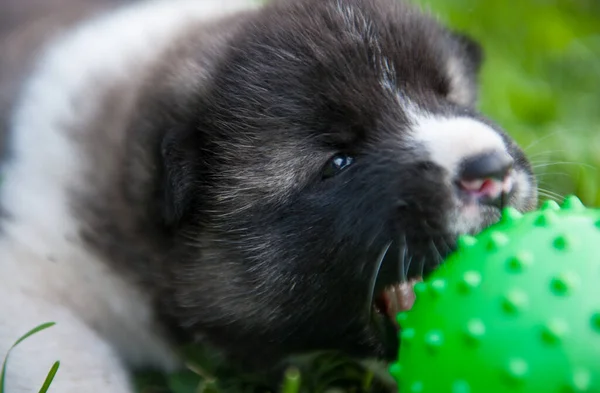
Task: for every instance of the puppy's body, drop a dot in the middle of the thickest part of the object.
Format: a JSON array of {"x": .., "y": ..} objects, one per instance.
[
  {"x": 69, "y": 154},
  {"x": 162, "y": 181}
]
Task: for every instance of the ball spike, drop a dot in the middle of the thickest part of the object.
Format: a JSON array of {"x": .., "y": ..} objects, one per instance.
[
  {"x": 545, "y": 219},
  {"x": 562, "y": 242},
  {"x": 580, "y": 381},
  {"x": 466, "y": 241},
  {"x": 572, "y": 203},
  {"x": 470, "y": 281},
  {"x": 437, "y": 287},
  {"x": 550, "y": 205},
  {"x": 519, "y": 262},
  {"x": 434, "y": 340},
  {"x": 396, "y": 370},
  {"x": 596, "y": 322},
  {"x": 554, "y": 331},
  {"x": 510, "y": 214},
  {"x": 401, "y": 318},
  {"x": 517, "y": 370},
  {"x": 496, "y": 241},
  {"x": 475, "y": 331}
]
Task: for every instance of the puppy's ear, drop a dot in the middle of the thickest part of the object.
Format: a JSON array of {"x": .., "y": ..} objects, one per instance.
[
  {"x": 472, "y": 50},
  {"x": 180, "y": 161}
]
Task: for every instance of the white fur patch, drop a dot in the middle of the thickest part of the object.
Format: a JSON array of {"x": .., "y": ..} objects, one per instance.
[
  {"x": 524, "y": 185},
  {"x": 450, "y": 140},
  {"x": 45, "y": 271}
]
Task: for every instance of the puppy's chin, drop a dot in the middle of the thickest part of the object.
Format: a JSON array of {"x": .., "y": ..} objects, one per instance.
[{"x": 470, "y": 218}]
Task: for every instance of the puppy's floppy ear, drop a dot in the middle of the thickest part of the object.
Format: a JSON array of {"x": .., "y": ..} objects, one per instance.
[
  {"x": 472, "y": 50},
  {"x": 180, "y": 164}
]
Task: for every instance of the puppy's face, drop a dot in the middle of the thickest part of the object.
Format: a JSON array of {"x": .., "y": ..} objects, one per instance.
[{"x": 331, "y": 131}]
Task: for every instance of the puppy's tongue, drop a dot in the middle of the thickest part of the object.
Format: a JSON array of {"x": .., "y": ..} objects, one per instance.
[{"x": 398, "y": 298}]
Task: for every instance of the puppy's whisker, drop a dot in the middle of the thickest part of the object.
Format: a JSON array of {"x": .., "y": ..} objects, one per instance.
[
  {"x": 436, "y": 251},
  {"x": 545, "y": 153},
  {"x": 554, "y": 198},
  {"x": 422, "y": 266},
  {"x": 572, "y": 163},
  {"x": 447, "y": 248},
  {"x": 403, "y": 269},
  {"x": 537, "y": 141},
  {"x": 550, "y": 194},
  {"x": 370, "y": 243},
  {"x": 373, "y": 283},
  {"x": 540, "y": 176},
  {"x": 410, "y": 258}
]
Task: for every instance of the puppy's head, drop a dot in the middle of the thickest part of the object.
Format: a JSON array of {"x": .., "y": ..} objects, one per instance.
[{"x": 330, "y": 130}]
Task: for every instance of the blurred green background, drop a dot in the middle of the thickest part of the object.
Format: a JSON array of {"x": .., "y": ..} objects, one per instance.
[{"x": 541, "y": 82}]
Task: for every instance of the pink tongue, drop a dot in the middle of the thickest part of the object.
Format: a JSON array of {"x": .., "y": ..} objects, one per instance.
[{"x": 399, "y": 298}]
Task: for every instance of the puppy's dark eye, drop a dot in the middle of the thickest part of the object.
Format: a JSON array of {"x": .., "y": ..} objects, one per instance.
[{"x": 336, "y": 164}]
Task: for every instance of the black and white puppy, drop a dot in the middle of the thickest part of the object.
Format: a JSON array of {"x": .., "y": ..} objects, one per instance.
[{"x": 230, "y": 172}]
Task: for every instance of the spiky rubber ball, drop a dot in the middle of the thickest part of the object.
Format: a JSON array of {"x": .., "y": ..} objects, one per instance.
[{"x": 514, "y": 309}]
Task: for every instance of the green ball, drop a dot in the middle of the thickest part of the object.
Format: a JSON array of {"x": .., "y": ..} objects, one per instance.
[{"x": 515, "y": 309}]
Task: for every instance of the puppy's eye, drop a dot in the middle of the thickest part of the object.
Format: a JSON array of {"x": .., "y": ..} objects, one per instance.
[{"x": 336, "y": 164}]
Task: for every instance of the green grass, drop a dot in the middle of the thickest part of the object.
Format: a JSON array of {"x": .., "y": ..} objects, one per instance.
[
  {"x": 53, "y": 370},
  {"x": 324, "y": 372}
]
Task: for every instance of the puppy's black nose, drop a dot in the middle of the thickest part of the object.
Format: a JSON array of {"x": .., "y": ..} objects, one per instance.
[
  {"x": 486, "y": 177},
  {"x": 494, "y": 165}
]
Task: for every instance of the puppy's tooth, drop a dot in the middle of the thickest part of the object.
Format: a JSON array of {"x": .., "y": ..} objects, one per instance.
[
  {"x": 406, "y": 295},
  {"x": 472, "y": 185},
  {"x": 394, "y": 302}
]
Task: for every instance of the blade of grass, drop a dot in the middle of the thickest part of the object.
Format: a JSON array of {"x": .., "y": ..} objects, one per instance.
[
  {"x": 50, "y": 377},
  {"x": 291, "y": 382},
  {"x": 32, "y": 332},
  {"x": 368, "y": 381},
  {"x": 20, "y": 340}
]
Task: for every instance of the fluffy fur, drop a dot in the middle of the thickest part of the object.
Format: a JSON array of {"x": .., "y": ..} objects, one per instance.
[{"x": 163, "y": 182}]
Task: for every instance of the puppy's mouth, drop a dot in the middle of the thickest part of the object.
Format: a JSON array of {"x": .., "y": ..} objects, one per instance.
[
  {"x": 395, "y": 299},
  {"x": 397, "y": 271}
]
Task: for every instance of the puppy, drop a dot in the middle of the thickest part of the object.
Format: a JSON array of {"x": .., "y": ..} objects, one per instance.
[{"x": 229, "y": 172}]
